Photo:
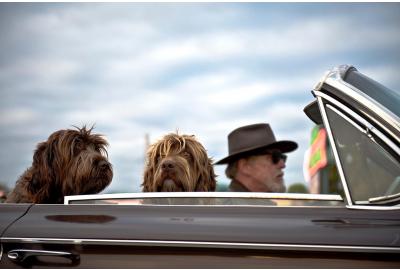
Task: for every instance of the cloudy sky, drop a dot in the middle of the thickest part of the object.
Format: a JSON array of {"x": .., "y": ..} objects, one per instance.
[{"x": 204, "y": 68}]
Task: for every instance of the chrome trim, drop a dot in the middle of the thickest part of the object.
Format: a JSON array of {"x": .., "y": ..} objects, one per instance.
[
  {"x": 20, "y": 255},
  {"x": 342, "y": 205},
  {"x": 334, "y": 149},
  {"x": 208, "y": 244},
  {"x": 319, "y": 84},
  {"x": 374, "y": 207},
  {"x": 342, "y": 70},
  {"x": 248, "y": 195},
  {"x": 361, "y": 97},
  {"x": 385, "y": 198},
  {"x": 44, "y": 252},
  {"x": 369, "y": 127}
]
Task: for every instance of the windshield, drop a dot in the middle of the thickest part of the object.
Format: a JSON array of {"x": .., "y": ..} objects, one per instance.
[
  {"x": 369, "y": 169},
  {"x": 385, "y": 96}
]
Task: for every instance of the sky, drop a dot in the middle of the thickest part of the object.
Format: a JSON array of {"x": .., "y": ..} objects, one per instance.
[{"x": 204, "y": 69}]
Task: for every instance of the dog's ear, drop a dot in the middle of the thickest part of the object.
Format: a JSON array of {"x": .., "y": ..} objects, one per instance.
[
  {"x": 41, "y": 178},
  {"x": 207, "y": 179},
  {"x": 147, "y": 179},
  {"x": 150, "y": 168},
  {"x": 149, "y": 172}
]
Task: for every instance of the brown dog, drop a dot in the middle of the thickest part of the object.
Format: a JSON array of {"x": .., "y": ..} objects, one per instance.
[
  {"x": 70, "y": 162},
  {"x": 178, "y": 163}
]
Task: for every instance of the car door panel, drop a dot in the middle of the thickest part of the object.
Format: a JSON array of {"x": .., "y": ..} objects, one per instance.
[
  {"x": 132, "y": 256},
  {"x": 140, "y": 236},
  {"x": 10, "y": 213}
]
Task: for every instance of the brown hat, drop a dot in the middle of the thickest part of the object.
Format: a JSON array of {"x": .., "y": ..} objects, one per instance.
[{"x": 253, "y": 139}]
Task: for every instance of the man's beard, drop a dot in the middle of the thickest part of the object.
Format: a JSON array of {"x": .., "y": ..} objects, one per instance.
[{"x": 276, "y": 187}]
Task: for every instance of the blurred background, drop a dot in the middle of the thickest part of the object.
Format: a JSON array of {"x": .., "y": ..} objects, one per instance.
[{"x": 138, "y": 71}]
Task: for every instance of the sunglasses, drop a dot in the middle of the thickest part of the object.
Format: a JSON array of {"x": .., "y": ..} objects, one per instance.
[{"x": 276, "y": 156}]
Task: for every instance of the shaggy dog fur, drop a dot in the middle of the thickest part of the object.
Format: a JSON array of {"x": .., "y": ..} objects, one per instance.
[
  {"x": 70, "y": 162},
  {"x": 178, "y": 163}
]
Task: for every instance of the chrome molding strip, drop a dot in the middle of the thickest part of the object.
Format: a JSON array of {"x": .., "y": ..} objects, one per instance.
[
  {"x": 374, "y": 207},
  {"x": 244, "y": 195},
  {"x": 356, "y": 94},
  {"x": 160, "y": 243},
  {"x": 334, "y": 149}
]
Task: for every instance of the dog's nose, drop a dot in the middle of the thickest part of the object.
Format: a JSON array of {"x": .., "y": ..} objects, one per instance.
[
  {"x": 104, "y": 164},
  {"x": 167, "y": 165}
]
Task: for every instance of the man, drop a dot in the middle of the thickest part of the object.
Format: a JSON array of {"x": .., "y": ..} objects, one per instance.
[{"x": 256, "y": 160}]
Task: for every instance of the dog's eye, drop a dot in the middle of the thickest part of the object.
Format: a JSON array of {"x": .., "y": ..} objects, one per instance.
[
  {"x": 100, "y": 150},
  {"x": 78, "y": 144},
  {"x": 187, "y": 155}
]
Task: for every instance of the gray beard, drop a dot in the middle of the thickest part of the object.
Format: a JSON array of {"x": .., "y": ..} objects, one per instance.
[{"x": 276, "y": 187}]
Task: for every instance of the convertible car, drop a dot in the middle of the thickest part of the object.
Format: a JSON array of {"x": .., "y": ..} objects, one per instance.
[{"x": 356, "y": 228}]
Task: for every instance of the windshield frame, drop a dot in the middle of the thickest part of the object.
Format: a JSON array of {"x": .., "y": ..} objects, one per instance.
[{"x": 334, "y": 80}]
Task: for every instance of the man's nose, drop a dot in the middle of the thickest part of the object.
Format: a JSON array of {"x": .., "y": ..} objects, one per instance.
[{"x": 282, "y": 163}]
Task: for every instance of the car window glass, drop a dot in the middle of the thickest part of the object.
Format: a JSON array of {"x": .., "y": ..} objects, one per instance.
[{"x": 369, "y": 169}]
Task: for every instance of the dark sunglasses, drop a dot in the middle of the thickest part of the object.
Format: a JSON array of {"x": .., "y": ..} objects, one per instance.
[{"x": 276, "y": 156}]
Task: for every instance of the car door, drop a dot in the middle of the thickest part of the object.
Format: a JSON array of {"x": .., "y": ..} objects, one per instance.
[
  {"x": 160, "y": 236},
  {"x": 11, "y": 213}
]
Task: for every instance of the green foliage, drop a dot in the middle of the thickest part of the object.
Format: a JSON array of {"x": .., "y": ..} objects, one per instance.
[{"x": 298, "y": 188}]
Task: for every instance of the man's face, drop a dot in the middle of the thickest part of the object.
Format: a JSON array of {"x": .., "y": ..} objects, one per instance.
[{"x": 266, "y": 173}]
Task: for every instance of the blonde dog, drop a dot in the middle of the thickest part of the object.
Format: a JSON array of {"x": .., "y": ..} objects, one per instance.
[{"x": 178, "y": 163}]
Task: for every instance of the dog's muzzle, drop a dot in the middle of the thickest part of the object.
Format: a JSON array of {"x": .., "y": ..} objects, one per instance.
[
  {"x": 169, "y": 181},
  {"x": 170, "y": 185},
  {"x": 104, "y": 171},
  {"x": 104, "y": 165}
]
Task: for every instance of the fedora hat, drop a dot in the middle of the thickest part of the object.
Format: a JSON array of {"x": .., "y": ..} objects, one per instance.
[{"x": 254, "y": 139}]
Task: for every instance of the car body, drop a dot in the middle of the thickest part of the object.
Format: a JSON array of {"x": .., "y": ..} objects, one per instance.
[{"x": 360, "y": 229}]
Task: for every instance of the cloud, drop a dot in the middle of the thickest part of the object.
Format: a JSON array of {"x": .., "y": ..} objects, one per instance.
[
  {"x": 18, "y": 115},
  {"x": 135, "y": 68}
]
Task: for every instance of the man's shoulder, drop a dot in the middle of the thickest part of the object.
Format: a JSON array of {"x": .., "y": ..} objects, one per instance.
[{"x": 236, "y": 186}]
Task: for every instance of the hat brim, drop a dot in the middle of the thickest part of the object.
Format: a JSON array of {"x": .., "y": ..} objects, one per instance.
[{"x": 283, "y": 146}]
